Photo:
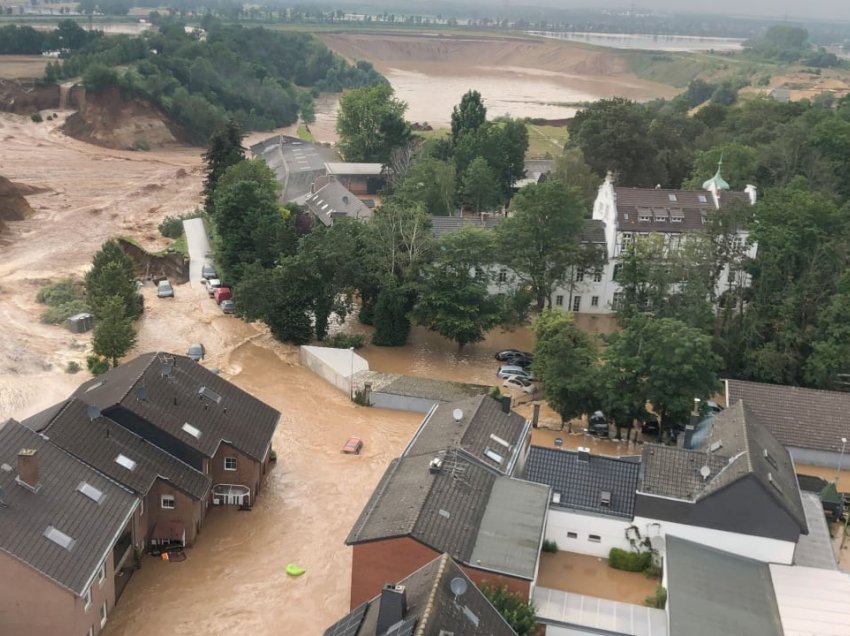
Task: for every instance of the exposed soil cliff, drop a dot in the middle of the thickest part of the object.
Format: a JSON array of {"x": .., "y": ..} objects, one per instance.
[{"x": 13, "y": 205}]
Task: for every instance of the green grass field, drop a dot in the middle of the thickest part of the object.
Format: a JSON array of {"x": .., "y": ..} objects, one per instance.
[{"x": 544, "y": 142}]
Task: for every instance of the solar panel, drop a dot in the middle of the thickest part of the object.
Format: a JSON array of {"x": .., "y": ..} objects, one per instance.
[
  {"x": 403, "y": 628},
  {"x": 350, "y": 625}
]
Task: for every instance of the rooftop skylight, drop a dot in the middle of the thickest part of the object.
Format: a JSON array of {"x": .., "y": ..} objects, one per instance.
[
  {"x": 90, "y": 491},
  {"x": 489, "y": 453},
  {"x": 194, "y": 432},
  {"x": 208, "y": 393},
  {"x": 59, "y": 538},
  {"x": 126, "y": 462}
]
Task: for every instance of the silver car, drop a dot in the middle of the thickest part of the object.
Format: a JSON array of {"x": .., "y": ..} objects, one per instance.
[
  {"x": 507, "y": 371},
  {"x": 164, "y": 289}
]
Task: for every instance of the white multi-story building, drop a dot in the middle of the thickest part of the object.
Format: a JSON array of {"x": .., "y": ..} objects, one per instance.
[{"x": 627, "y": 214}]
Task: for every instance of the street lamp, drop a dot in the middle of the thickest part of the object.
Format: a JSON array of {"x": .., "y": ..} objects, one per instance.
[
  {"x": 840, "y": 457},
  {"x": 351, "y": 376}
]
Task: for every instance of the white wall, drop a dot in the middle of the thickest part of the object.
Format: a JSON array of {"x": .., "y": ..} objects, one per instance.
[
  {"x": 759, "y": 548},
  {"x": 611, "y": 531},
  {"x": 333, "y": 365}
]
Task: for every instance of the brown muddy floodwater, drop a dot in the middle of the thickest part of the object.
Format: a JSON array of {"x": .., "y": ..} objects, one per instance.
[{"x": 590, "y": 575}]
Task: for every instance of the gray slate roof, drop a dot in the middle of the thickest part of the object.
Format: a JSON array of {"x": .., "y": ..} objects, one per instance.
[
  {"x": 334, "y": 200},
  {"x": 431, "y": 607},
  {"x": 711, "y": 592},
  {"x": 815, "y": 548},
  {"x": 737, "y": 446},
  {"x": 687, "y": 205},
  {"x": 446, "y": 510},
  {"x": 99, "y": 442},
  {"x": 482, "y": 423},
  {"x": 580, "y": 484},
  {"x": 95, "y": 527},
  {"x": 593, "y": 232},
  {"x": 803, "y": 418},
  {"x": 442, "y": 225},
  {"x": 239, "y": 418}
]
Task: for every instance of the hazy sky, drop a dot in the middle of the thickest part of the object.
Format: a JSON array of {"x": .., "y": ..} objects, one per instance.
[{"x": 825, "y": 9}]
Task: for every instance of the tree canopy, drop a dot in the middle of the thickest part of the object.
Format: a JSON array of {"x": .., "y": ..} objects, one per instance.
[{"x": 371, "y": 124}]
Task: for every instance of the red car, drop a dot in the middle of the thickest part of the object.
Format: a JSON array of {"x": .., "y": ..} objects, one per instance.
[
  {"x": 222, "y": 293},
  {"x": 353, "y": 446}
]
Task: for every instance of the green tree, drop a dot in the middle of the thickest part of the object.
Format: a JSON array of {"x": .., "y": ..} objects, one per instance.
[
  {"x": 480, "y": 189},
  {"x": 430, "y": 182},
  {"x": 112, "y": 274},
  {"x": 224, "y": 150},
  {"x": 621, "y": 389},
  {"x": 98, "y": 77},
  {"x": 371, "y": 124},
  {"x": 572, "y": 169},
  {"x": 739, "y": 166},
  {"x": 828, "y": 365},
  {"x": 392, "y": 310},
  {"x": 249, "y": 224},
  {"x": 644, "y": 275},
  {"x": 454, "y": 299},
  {"x": 469, "y": 115},
  {"x": 113, "y": 335},
  {"x": 540, "y": 239},
  {"x": 275, "y": 297},
  {"x": 518, "y": 612},
  {"x": 565, "y": 361}
]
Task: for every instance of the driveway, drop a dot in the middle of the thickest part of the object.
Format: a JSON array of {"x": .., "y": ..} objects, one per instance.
[{"x": 199, "y": 247}]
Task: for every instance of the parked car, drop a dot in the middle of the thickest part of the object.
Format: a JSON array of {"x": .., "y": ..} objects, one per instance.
[
  {"x": 208, "y": 271},
  {"x": 227, "y": 306},
  {"x": 222, "y": 293},
  {"x": 713, "y": 406},
  {"x": 597, "y": 424},
  {"x": 507, "y": 353},
  {"x": 196, "y": 352},
  {"x": 507, "y": 371},
  {"x": 522, "y": 384},
  {"x": 212, "y": 284},
  {"x": 164, "y": 289},
  {"x": 650, "y": 427},
  {"x": 353, "y": 446},
  {"x": 519, "y": 360}
]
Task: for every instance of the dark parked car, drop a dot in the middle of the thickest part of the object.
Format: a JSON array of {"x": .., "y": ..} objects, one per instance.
[
  {"x": 208, "y": 271},
  {"x": 520, "y": 360},
  {"x": 227, "y": 306},
  {"x": 650, "y": 427},
  {"x": 507, "y": 353},
  {"x": 597, "y": 424}
]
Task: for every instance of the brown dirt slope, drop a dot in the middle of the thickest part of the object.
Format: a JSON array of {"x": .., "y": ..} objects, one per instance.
[
  {"x": 13, "y": 205},
  {"x": 113, "y": 121},
  {"x": 24, "y": 97},
  {"x": 559, "y": 57}
]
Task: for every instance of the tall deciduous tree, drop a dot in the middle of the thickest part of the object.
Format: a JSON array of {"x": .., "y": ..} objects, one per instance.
[
  {"x": 432, "y": 183},
  {"x": 565, "y": 361},
  {"x": 454, "y": 299},
  {"x": 113, "y": 335},
  {"x": 644, "y": 275},
  {"x": 572, "y": 169},
  {"x": 469, "y": 115},
  {"x": 481, "y": 190},
  {"x": 224, "y": 150},
  {"x": 371, "y": 124},
  {"x": 518, "y": 612},
  {"x": 539, "y": 240},
  {"x": 112, "y": 274}
]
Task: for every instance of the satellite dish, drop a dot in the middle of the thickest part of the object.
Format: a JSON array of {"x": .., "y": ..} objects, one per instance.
[
  {"x": 457, "y": 414},
  {"x": 93, "y": 412},
  {"x": 705, "y": 471},
  {"x": 458, "y": 586}
]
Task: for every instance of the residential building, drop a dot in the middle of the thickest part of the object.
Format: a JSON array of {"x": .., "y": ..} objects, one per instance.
[
  {"x": 174, "y": 496},
  {"x": 424, "y": 505},
  {"x": 438, "y": 598},
  {"x": 66, "y": 539},
  {"x": 332, "y": 200},
  {"x": 592, "y": 499},
  {"x": 810, "y": 423},
  {"x": 627, "y": 215},
  {"x": 194, "y": 415},
  {"x": 442, "y": 225},
  {"x": 359, "y": 178},
  {"x": 737, "y": 491},
  {"x": 484, "y": 430}
]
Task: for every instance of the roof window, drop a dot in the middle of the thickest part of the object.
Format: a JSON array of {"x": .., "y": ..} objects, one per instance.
[
  {"x": 605, "y": 499},
  {"x": 208, "y": 393},
  {"x": 499, "y": 440},
  {"x": 769, "y": 458},
  {"x": 556, "y": 497},
  {"x": 701, "y": 198},
  {"x": 194, "y": 432},
  {"x": 59, "y": 538},
  {"x": 672, "y": 196},
  {"x": 94, "y": 386},
  {"x": 490, "y": 454},
  {"x": 715, "y": 446},
  {"x": 125, "y": 461},
  {"x": 90, "y": 491}
]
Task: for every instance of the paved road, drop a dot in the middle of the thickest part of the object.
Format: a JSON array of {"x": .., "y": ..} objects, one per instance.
[
  {"x": 296, "y": 163},
  {"x": 199, "y": 247}
]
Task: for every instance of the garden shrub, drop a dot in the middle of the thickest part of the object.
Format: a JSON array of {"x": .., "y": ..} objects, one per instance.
[
  {"x": 629, "y": 561},
  {"x": 97, "y": 365},
  {"x": 344, "y": 341},
  {"x": 549, "y": 546}
]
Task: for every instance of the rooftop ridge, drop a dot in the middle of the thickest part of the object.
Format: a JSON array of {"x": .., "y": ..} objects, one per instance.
[{"x": 432, "y": 596}]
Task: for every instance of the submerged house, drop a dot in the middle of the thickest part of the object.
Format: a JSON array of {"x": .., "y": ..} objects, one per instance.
[
  {"x": 193, "y": 415},
  {"x": 67, "y": 535}
]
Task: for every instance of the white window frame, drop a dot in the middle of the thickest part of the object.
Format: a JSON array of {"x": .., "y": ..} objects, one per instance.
[
  {"x": 104, "y": 615},
  {"x": 164, "y": 498},
  {"x": 503, "y": 276},
  {"x": 594, "y": 301},
  {"x": 597, "y": 277},
  {"x": 576, "y": 303},
  {"x": 580, "y": 276},
  {"x": 87, "y": 599},
  {"x": 235, "y": 463},
  {"x": 559, "y": 300},
  {"x": 101, "y": 574}
]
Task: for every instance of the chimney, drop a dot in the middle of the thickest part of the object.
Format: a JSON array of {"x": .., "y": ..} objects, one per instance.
[
  {"x": 752, "y": 192},
  {"x": 506, "y": 404},
  {"x": 535, "y": 418},
  {"x": 28, "y": 468},
  {"x": 583, "y": 454},
  {"x": 393, "y": 607}
]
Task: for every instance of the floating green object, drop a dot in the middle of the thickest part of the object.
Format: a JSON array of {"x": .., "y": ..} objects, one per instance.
[{"x": 294, "y": 570}]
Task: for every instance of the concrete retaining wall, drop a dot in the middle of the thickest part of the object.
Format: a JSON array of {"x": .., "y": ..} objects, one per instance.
[
  {"x": 401, "y": 402},
  {"x": 333, "y": 365}
]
